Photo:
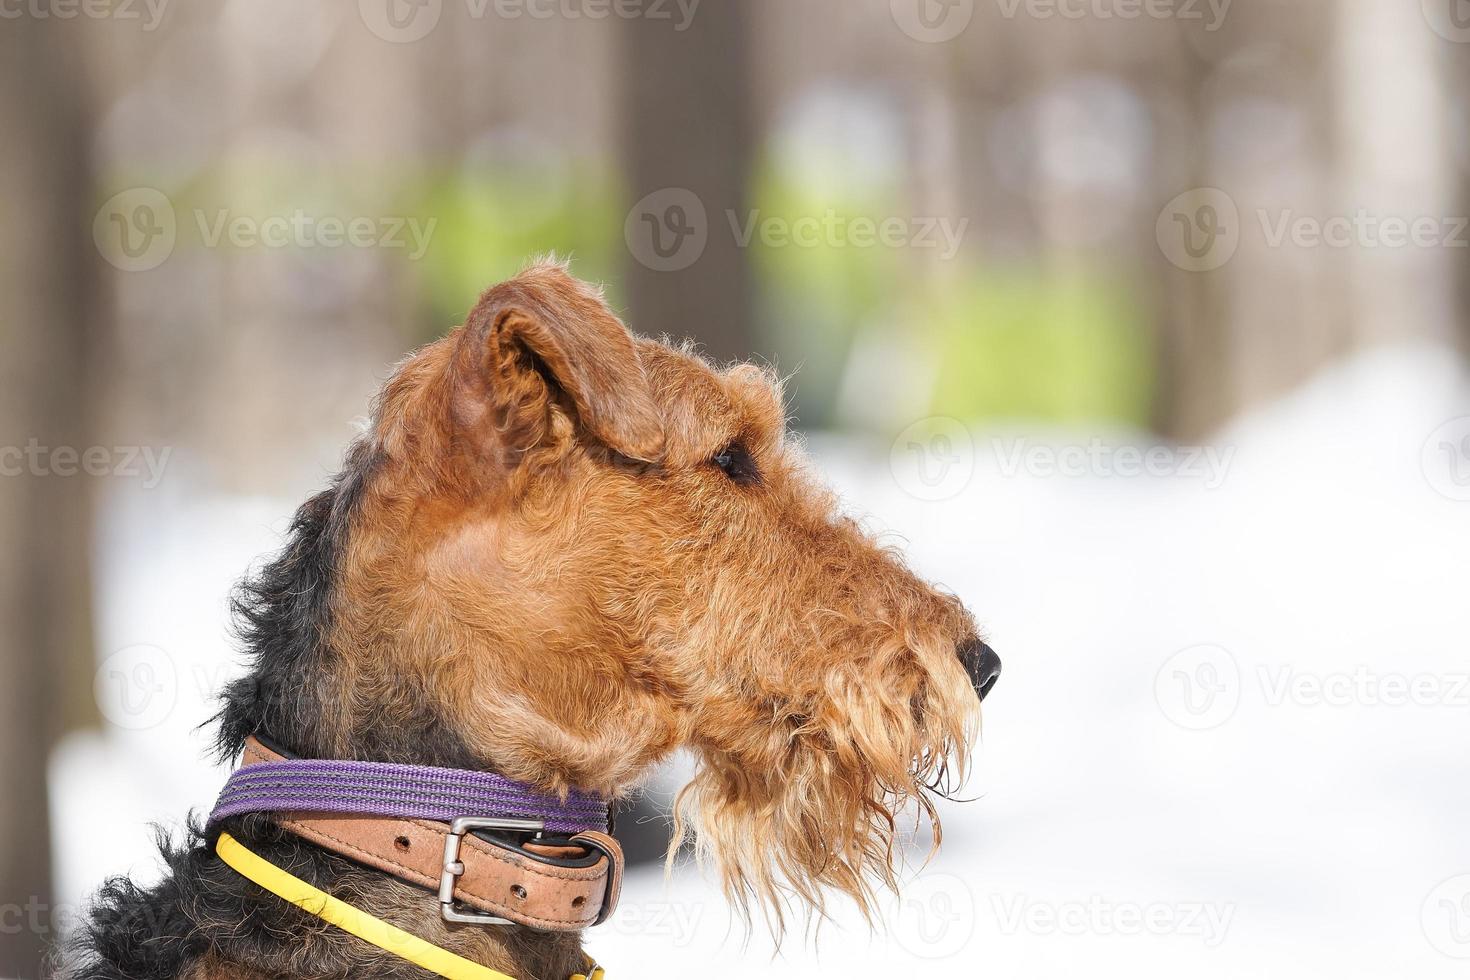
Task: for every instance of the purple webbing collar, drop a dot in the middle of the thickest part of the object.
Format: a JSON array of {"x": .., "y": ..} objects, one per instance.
[{"x": 380, "y": 789}]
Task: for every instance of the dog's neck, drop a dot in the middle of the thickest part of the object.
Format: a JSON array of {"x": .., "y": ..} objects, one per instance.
[
  {"x": 296, "y": 700},
  {"x": 302, "y": 694},
  {"x": 515, "y": 950},
  {"x": 219, "y": 899},
  {"x": 306, "y": 698}
]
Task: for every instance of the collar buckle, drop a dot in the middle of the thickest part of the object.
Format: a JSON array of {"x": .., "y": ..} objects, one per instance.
[{"x": 454, "y": 867}]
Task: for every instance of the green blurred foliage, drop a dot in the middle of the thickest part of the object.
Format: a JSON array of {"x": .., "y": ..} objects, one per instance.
[
  {"x": 1017, "y": 344},
  {"x": 812, "y": 299},
  {"x": 1009, "y": 341},
  {"x": 493, "y": 220}
]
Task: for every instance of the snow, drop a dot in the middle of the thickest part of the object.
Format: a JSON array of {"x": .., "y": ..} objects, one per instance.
[{"x": 1230, "y": 740}]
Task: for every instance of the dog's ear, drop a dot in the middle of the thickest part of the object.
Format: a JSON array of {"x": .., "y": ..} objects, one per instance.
[{"x": 542, "y": 335}]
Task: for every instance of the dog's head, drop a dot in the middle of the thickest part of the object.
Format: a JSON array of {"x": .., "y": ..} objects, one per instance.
[{"x": 564, "y": 553}]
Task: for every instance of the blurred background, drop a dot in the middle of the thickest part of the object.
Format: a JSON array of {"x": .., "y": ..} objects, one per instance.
[{"x": 1142, "y": 324}]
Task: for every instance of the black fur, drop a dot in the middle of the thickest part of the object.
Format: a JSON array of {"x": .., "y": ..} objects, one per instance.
[
  {"x": 140, "y": 932},
  {"x": 283, "y": 615},
  {"x": 202, "y": 907}
]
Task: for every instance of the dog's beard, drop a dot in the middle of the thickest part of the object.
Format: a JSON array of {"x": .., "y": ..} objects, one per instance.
[{"x": 817, "y": 799}]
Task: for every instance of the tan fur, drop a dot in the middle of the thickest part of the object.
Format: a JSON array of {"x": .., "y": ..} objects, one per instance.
[{"x": 548, "y": 551}]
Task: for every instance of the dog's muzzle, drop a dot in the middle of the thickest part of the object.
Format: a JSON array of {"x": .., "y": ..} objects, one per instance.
[{"x": 982, "y": 664}]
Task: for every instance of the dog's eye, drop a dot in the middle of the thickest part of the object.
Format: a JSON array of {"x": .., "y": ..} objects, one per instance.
[{"x": 737, "y": 464}]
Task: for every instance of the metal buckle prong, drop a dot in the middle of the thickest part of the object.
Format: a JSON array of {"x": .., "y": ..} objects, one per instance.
[{"x": 454, "y": 867}]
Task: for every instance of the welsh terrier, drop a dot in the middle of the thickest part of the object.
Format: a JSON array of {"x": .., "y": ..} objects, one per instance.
[{"x": 559, "y": 554}]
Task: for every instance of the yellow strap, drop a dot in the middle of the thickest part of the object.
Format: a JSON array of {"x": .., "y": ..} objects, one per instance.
[{"x": 366, "y": 927}]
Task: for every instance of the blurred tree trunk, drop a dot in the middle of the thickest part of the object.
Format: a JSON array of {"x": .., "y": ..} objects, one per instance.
[
  {"x": 1458, "y": 92},
  {"x": 688, "y": 124},
  {"x": 1193, "y": 364},
  {"x": 46, "y": 283}
]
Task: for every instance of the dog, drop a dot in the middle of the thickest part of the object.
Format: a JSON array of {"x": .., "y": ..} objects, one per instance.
[{"x": 558, "y": 554}]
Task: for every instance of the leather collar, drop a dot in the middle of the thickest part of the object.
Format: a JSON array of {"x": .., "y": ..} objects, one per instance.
[{"x": 557, "y": 884}]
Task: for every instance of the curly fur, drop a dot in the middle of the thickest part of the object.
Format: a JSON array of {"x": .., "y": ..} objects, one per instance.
[{"x": 534, "y": 563}]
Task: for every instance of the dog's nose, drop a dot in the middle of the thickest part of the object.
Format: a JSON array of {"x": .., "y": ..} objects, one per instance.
[{"x": 982, "y": 664}]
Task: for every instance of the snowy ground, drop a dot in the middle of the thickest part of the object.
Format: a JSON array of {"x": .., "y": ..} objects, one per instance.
[{"x": 1232, "y": 738}]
